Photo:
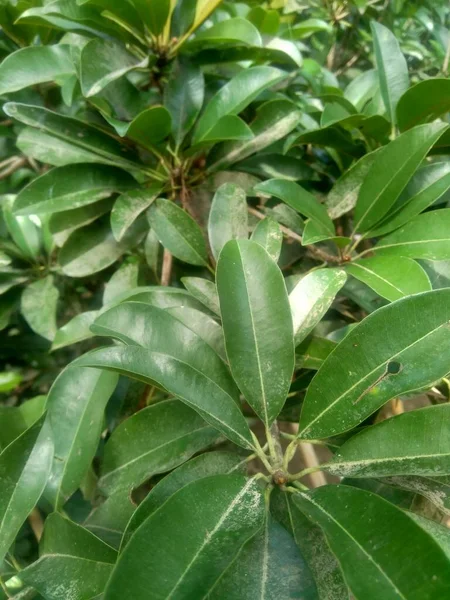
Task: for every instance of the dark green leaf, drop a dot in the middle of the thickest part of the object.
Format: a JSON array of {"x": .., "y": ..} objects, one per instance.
[
  {"x": 123, "y": 280},
  {"x": 204, "y": 326},
  {"x": 129, "y": 206},
  {"x": 366, "y": 369},
  {"x": 424, "y": 102},
  {"x": 14, "y": 420},
  {"x": 215, "y": 516},
  {"x": 24, "y": 468},
  {"x": 38, "y": 306},
  {"x": 62, "y": 224},
  {"x": 391, "y": 171},
  {"x": 153, "y": 14},
  {"x": 204, "y": 291},
  {"x": 178, "y": 232},
  {"x": 228, "y": 127},
  {"x": 237, "y": 30},
  {"x": 257, "y": 325}
]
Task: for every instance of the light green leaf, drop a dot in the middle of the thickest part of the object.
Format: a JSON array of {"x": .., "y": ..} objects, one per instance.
[
  {"x": 312, "y": 297},
  {"x": 414, "y": 443},
  {"x": 359, "y": 527},
  {"x": 161, "y": 296},
  {"x": 313, "y": 546},
  {"x": 204, "y": 291},
  {"x": 232, "y": 98},
  {"x": 149, "y": 127},
  {"x": 205, "y": 465},
  {"x": 215, "y": 516},
  {"x": 178, "y": 232},
  {"x": 33, "y": 65},
  {"x": 67, "y": 188},
  {"x": 62, "y": 224},
  {"x": 14, "y": 420},
  {"x": 152, "y": 251},
  {"x": 391, "y": 278},
  {"x": 74, "y": 331},
  {"x": 392, "y": 169},
  {"x": 103, "y": 61},
  {"x": 154, "y": 440},
  {"x": 297, "y": 197},
  {"x": 94, "y": 248},
  {"x": 268, "y": 234},
  {"x": 69, "y": 549},
  {"x": 427, "y": 186},
  {"x": 80, "y": 394},
  {"x": 228, "y": 218},
  {"x": 72, "y": 140},
  {"x": 38, "y": 305},
  {"x": 24, "y": 468},
  {"x": 229, "y": 127},
  {"x": 257, "y": 325},
  {"x": 129, "y": 206},
  {"x": 123, "y": 280},
  {"x": 425, "y": 236},
  {"x": 235, "y": 30},
  {"x": 274, "y": 120},
  {"x": 183, "y": 97},
  {"x": 344, "y": 193},
  {"x": 366, "y": 369},
  {"x": 22, "y": 230},
  {"x": 391, "y": 66},
  {"x": 423, "y": 103}
]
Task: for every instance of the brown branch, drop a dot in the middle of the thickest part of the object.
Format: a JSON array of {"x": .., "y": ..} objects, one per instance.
[
  {"x": 20, "y": 162},
  {"x": 166, "y": 271}
]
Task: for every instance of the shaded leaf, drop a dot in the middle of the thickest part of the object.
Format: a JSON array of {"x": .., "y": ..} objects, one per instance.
[
  {"x": 204, "y": 291},
  {"x": 228, "y": 217},
  {"x": 423, "y": 103},
  {"x": 38, "y": 306},
  {"x": 74, "y": 331}
]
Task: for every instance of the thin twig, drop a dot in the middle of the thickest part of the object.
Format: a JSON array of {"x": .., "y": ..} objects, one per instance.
[
  {"x": 17, "y": 164},
  {"x": 166, "y": 271}
]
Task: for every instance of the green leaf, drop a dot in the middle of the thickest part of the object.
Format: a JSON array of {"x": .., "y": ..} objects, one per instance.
[
  {"x": 312, "y": 297},
  {"x": 435, "y": 489},
  {"x": 153, "y": 14},
  {"x": 178, "y": 347},
  {"x": 178, "y": 232},
  {"x": 214, "y": 516},
  {"x": 205, "y": 465},
  {"x": 391, "y": 278},
  {"x": 104, "y": 61},
  {"x": 66, "y": 548},
  {"x": 229, "y": 127},
  {"x": 425, "y": 236},
  {"x": 391, "y": 66},
  {"x": 203, "y": 325},
  {"x": 22, "y": 230},
  {"x": 204, "y": 291},
  {"x": 274, "y": 121},
  {"x": 366, "y": 369},
  {"x": 150, "y": 126},
  {"x": 161, "y": 296},
  {"x": 154, "y": 440},
  {"x": 74, "y": 331},
  {"x": 359, "y": 527},
  {"x": 427, "y": 186},
  {"x": 312, "y": 352},
  {"x": 255, "y": 574},
  {"x": 237, "y": 30},
  {"x": 14, "y": 420},
  {"x": 34, "y": 65},
  {"x": 24, "y": 468},
  {"x": 152, "y": 249},
  {"x": 94, "y": 248},
  {"x": 129, "y": 206},
  {"x": 233, "y": 97},
  {"x": 73, "y": 141},
  {"x": 344, "y": 193},
  {"x": 38, "y": 306},
  {"x": 257, "y": 325},
  {"x": 109, "y": 520},
  {"x": 438, "y": 532},
  {"x": 391, "y": 171},
  {"x": 183, "y": 97},
  {"x": 62, "y": 224},
  {"x": 228, "y": 218},
  {"x": 192, "y": 387},
  {"x": 297, "y": 197},
  {"x": 391, "y": 447},
  {"x": 66, "y": 188},
  {"x": 123, "y": 280},
  {"x": 423, "y": 103},
  {"x": 313, "y": 547},
  {"x": 81, "y": 394},
  {"x": 268, "y": 234}
]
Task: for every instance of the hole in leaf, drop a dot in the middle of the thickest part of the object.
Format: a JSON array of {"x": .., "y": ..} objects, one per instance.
[{"x": 393, "y": 368}]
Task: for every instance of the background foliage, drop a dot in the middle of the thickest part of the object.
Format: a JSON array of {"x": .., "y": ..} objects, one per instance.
[{"x": 142, "y": 143}]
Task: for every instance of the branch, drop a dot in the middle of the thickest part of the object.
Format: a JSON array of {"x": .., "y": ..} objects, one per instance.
[{"x": 166, "y": 271}]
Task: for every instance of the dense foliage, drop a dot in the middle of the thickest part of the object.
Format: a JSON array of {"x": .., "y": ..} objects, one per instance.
[{"x": 225, "y": 299}]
